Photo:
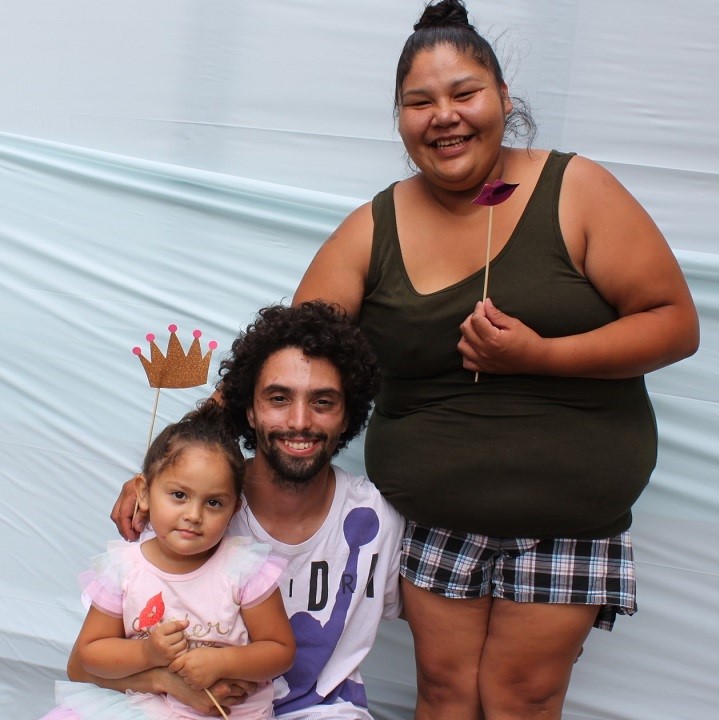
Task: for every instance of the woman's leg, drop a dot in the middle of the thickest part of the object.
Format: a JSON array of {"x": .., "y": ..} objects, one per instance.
[
  {"x": 528, "y": 656},
  {"x": 448, "y": 639}
]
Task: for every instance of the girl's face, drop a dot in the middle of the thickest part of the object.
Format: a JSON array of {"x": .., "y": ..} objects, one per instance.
[
  {"x": 451, "y": 118},
  {"x": 190, "y": 504}
]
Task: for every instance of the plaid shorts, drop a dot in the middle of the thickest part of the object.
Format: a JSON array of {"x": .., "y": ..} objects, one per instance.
[{"x": 559, "y": 570}]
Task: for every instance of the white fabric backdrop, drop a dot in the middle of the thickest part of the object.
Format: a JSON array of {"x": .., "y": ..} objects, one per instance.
[{"x": 181, "y": 161}]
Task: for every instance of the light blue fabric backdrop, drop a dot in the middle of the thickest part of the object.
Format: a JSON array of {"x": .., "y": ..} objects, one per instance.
[{"x": 181, "y": 162}]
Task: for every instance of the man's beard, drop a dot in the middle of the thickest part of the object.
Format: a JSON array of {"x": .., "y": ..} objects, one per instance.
[{"x": 293, "y": 471}]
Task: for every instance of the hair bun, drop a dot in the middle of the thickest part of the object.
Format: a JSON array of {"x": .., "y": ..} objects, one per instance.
[{"x": 446, "y": 12}]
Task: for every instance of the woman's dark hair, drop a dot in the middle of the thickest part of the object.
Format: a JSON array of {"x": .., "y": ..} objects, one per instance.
[
  {"x": 207, "y": 426},
  {"x": 447, "y": 23},
  {"x": 319, "y": 330}
]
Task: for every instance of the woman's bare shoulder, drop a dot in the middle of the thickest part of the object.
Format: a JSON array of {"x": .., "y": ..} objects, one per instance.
[
  {"x": 356, "y": 226},
  {"x": 339, "y": 269},
  {"x": 588, "y": 175},
  {"x": 522, "y": 161}
]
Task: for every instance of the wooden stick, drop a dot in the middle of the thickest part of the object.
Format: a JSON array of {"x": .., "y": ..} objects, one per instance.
[
  {"x": 149, "y": 441},
  {"x": 486, "y": 267},
  {"x": 157, "y": 400},
  {"x": 489, "y": 246},
  {"x": 217, "y": 705}
]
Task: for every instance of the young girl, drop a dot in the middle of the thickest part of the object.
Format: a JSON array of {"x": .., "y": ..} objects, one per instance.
[{"x": 188, "y": 599}]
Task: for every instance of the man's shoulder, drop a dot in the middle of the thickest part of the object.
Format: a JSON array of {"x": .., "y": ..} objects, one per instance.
[
  {"x": 360, "y": 490},
  {"x": 357, "y": 485}
]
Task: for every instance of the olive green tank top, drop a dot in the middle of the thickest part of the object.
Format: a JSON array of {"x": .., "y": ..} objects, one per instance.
[{"x": 509, "y": 455}]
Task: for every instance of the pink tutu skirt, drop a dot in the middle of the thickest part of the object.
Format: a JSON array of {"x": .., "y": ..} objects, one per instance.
[{"x": 84, "y": 701}]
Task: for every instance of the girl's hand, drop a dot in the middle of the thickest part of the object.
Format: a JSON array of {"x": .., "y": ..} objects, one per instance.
[
  {"x": 493, "y": 342},
  {"x": 198, "y": 667},
  {"x": 166, "y": 642}
]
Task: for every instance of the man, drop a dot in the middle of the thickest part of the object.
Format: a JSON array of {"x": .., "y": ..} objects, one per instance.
[{"x": 298, "y": 387}]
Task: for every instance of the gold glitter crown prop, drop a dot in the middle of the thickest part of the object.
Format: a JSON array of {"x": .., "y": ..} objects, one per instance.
[{"x": 175, "y": 369}]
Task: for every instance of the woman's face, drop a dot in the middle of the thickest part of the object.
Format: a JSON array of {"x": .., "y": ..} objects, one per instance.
[{"x": 451, "y": 118}]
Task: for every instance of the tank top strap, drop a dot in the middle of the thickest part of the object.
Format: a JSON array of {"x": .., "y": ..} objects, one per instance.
[
  {"x": 543, "y": 207},
  {"x": 385, "y": 240},
  {"x": 552, "y": 174}
]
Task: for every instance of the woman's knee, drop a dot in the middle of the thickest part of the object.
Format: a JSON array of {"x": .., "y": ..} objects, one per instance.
[
  {"x": 529, "y": 656},
  {"x": 448, "y": 639},
  {"x": 523, "y": 696},
  {"x": 447, "y": 689}
]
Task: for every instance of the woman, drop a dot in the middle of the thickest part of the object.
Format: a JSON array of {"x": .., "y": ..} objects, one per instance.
[{"x": 514, "y": 433}]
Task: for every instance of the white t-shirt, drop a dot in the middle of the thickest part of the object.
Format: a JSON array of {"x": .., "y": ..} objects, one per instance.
[{"x": 337, "y": 587}]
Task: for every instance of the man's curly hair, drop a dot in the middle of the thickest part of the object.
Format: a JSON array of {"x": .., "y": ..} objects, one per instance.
[{"x": 320, "y": 330}]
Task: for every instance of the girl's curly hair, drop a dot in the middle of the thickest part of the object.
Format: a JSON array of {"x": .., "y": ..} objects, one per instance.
[
  {"x": 320, "y": 330},
  {"x": 207, "y": 426}
]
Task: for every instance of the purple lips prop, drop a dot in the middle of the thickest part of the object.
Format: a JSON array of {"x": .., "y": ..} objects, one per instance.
[{"x": 495, "y": 193}]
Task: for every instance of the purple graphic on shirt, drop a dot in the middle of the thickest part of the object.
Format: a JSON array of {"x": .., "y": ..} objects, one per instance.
[{"x": 315, "y": 642}]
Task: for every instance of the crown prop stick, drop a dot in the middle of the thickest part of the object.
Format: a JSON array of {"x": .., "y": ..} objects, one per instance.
[
  {"x": 492, "y": 194},
  {"x": 176, "y": 369}
]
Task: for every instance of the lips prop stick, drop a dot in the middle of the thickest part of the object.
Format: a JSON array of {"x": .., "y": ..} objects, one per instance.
[{"x": 492, "y": 194}]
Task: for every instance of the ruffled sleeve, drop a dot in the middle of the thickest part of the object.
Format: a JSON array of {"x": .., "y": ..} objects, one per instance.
[
  {"x": 253, "y": 571},
  {"x": 102, "y": 585}
]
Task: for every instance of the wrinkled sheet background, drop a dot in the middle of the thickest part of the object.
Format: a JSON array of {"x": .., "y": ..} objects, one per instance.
[{"x": 181, "y": 161}]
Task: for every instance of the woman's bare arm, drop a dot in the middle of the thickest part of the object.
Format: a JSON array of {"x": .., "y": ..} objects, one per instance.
[{"x": 338, "y": 272}]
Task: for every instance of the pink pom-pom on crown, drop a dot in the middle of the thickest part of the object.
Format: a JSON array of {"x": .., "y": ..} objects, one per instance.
[
  {"x": 137, "y": 350},
  {"x": 197, "y": 334},
  {"x": 150, "y": 337},
  {"x": 172, "y": 328},
  {"x": 212, "y": 345}
]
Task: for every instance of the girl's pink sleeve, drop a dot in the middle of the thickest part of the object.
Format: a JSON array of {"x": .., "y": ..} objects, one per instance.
[
  {"x": 253, "y": 571},
  {"x": 263, "y": 582},
  {"x": 102, "y": 585}
]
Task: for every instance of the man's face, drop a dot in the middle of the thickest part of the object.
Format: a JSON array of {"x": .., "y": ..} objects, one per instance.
[{"x": 298, "y": 413}]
